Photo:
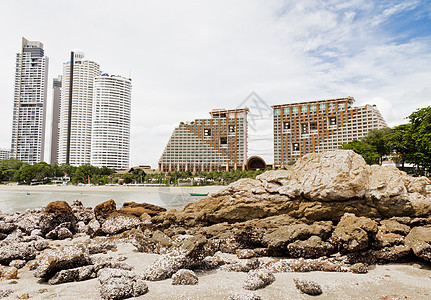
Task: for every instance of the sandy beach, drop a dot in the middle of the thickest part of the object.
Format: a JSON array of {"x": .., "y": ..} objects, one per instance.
[{"x": 408, "y": 281}]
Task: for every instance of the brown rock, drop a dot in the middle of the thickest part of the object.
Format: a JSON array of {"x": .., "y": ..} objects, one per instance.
[
  {"x": 308, "y": 287},
  {"x": 419, "y": 239},
  {"x": 392, "y": 226},
  {"x": 245, "y": 253},
  {"x": 8, "y": 273},
  {"x": 395, "y": 253},
  {"x": 139, "y": 208},
  {"x": 313, "y": 247},
  {"x": 56, "y": 213},
  {"x": 103, "y": 210},
  {"x": 184, "y": 277}
]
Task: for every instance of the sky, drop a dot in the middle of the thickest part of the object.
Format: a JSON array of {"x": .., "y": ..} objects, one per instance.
[{"x": 186, "y": 57}]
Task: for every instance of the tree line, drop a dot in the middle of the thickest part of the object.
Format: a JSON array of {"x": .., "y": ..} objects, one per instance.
[{"x": 406, "y": 143}]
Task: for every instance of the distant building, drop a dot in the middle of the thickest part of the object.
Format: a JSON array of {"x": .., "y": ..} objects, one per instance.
[
  {"x": 323, "y": 125},
  {"x": 76, "y": 109},
  {"x": 110, "y": 137},
  {"x": 28, "y": 125},
  {"x": 4, "y": 154},
  {"x": 219, "y": 143},
  {"x": 55, "y": 129}
]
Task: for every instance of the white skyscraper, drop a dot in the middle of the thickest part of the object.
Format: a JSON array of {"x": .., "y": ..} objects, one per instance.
[
  {"x": 28, "y": 125},
  {"x": 110, "y": 142},
  {"x": 76, "y": 109},
  {"x": 55, "y": 130}
]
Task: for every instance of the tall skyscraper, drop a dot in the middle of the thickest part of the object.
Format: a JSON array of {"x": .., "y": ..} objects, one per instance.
[
  {"x": 55, "y": 129},
  {"x": 110, "y": 138},
  {"x": 76, "y": 109},
  {"x": 322, "y": 125},
  {"x": 29, "y": 108}
]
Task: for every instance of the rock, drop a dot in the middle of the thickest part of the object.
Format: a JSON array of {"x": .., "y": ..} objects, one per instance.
[
  {"x": 242, "y": 265},
  {"x": 93, "y": 228},
  {"x": 359, "y": 268},
  {"x": 352, "y": 233},
  {"x": 419, "y": 239},
  {"x": 244, "y": 296},
  {"x": 71, "y": 275},
  {"x": 157, "y": 243},
  {"x": 189, "y": 254},
  {"x": 17, "y": 263},
  {"x": 390, "y": 297},
  {"x": 308, "y": 287},
  {"x": 395, "y": 253},
  {"x": 392, "y": 226},
  {"x": 8, "y": 273},
  {"x": 120, "y": 284},
  {"x": 184, "y": 277},
  {"x": 245, "y": 253},
  {"x": 313, "y": 247},
  {"x": 99, "y": 245},
  {"x": 212, "y": 262},
  {"x": 137, "y": 209},
  {"x": 20, "y": 250},
  {"x": 117, "y": 223},
  {"x": 258, "y": 279},
  {"x": 60, "y": 232},
  {"x": 103, "y": 210},
  {"x": 66, "y": 257},
  {"x": 56, "y": 213},
  {"x": 7, "y": 227}
]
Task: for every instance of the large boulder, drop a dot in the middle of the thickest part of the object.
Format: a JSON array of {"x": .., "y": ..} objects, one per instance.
[
  {"x": 56, "y": 213},
  {"x": 120, "y": 284},
  {"x": 419, "y": 239}
]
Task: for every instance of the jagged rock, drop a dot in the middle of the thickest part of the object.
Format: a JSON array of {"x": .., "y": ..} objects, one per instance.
[
  {"x": 30, "y": 220},
  {"x": 8, "y": 273},
  {"x": 17, "y": 263},
  {"x": 103, "y": 210},
  {"x": 352, "y": 233},
  {"x": 245, "y": 253},
  {"x": 56, "y": 213},
  {"x": 98, "y": 245},
  {"x": 7, "y": 227},
  {"x": 394, "y": 253},
  {"x": 117, "y": 223},
  {"x": 71, "y": 275},
  {"x": 419, "y": 239},
  {"x": 93, "y": 228},
  {"x": 308, "y": 287},
  {"x": 388, "y": 239},
  {"x": 184, "y": 277},
  {"x": 212, "y": 262},
  {"x": 242, "y": 265},
  {"x": 20, "y": 250},
  {"x": 313, "y": 247},
  {"x": 67, "y": 257},
  {"x": 137, "y": 209},
  {"x": 120, "y": 284},
  {"x": 83, "y": 214},
  {"x": 60, "y": 232},
  {"x": 244, "y": 296},
  {"x": 359, "y": 268},
  {"x": 258, "y": 279},
  {"x": 157, "y": 243},
  {"x": 392, "y": 226},
  {"x": 306, "y": 265},
  {"x": 189, "y": 254}
]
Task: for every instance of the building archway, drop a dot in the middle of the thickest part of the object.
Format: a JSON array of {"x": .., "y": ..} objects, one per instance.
[{"x": 255, "y": 163}]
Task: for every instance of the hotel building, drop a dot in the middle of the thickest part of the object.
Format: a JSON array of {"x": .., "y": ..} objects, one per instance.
[
  {"x": 29, "y": 108},
  {"x": 55, "y": 129},
  {"x": 218, "y": 143},
  {"x": 323, "y": 125},
  {"x": 76, "y": 109},
  {"x": 110, "y": 138}
]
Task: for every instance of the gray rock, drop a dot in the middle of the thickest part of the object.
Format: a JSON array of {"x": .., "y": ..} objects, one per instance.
[
  {"x": 7, "y": 227},
  {"x": 20, "y": 250},
  {"x": 308, "y": 287},
  {"x": 184, "y": 277},
  {"x": 120, "y": 284},
  {"x": 71, "y": 275},
  {"x": 258, "y": 279},
  {"x": 17, "y": 263},
  {"x": 242, "y": 265},
  {"x": 117, "y": 223}
]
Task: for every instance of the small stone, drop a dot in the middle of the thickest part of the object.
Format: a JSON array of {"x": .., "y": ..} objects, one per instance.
[
  {"x": 8, "y": 273},
  {"x": 13, "y": 282},
  {"x": 41, "y": 291},
  {"x": 308, "y": 287},
  {"x": 23, "y": 296},
  {"x": 359, "y": 268},
  {"x": 258, "y": 279},
  {"x": 17, "y": 263},
  {"x": 120, "y": 284},
  {"x": 243, "y": 265},
  {"x": 244, "y": 296},
  {"x": 184, "y": 277}
]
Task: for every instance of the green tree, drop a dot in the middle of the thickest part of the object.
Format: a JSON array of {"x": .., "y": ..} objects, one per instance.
[
  {"x": 378, "y": 138},
  {"x": 368, "y": 152}
]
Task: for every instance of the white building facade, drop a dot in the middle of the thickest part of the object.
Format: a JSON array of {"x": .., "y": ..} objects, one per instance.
[
  {"x": 55, "y": 129},
  {"x": 110, "y": 137},
  {"x": 76, "y": 109},
  {"x": 29, "y": 109}
]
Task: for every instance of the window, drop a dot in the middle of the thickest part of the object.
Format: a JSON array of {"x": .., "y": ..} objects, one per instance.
[
  {"x": 313, "y": 108},
  {"x": 304, "y": 109},
  {"x": 286, "y": 111},
  {"x": 207, "y": 132},
  {"x": 294, "y": 110},
  {"x": 332, "y": 121},
  {"x": 322, "y": 107},
  {"x": 231, "y": 128},
  {"x": 313, "y": 126},
  {"x": 286, "y": 125},
  {"x": 223, "y": 140},
  {"x": 277, "y": 111},
  {"x": 304, "y": 128},
  {"x": 295, "y": 146}
]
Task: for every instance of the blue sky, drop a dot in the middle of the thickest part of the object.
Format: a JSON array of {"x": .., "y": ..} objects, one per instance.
[{"x": 188, "y": 57}]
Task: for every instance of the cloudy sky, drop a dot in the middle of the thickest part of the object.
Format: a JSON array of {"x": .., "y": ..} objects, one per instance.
[{"x": 188, "y": 57}]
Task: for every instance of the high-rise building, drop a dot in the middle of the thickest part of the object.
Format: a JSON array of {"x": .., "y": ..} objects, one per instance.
[
  {"x": 323, "y": 125},
  {"x": 76, "y": 109},
  {"x": 219, "y": 143},
  {"x": 110, "y": 137},
  {"x": 28, "y": 125},
  {"x": 4, "y": 154},
  {"x": 55, "y": 129}
]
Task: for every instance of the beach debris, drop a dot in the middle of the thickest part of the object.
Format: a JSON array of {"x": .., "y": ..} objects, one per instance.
[
  {"x": 184, "y": 277},
  {"x": 244, "y": 296},
  {"x": 258, "y": 279},
  {"x": 8, "y": 273},
  {"x": 120, "y": 284},
  {"x": 392, "y": 297},
  {"x": 308, "y": 287},
  {"x": 117, "y": 223},
  {"x": 245, "y": 253},
  {"x": 66, "y": 257},
  {"x": 20, "y": 250}
]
